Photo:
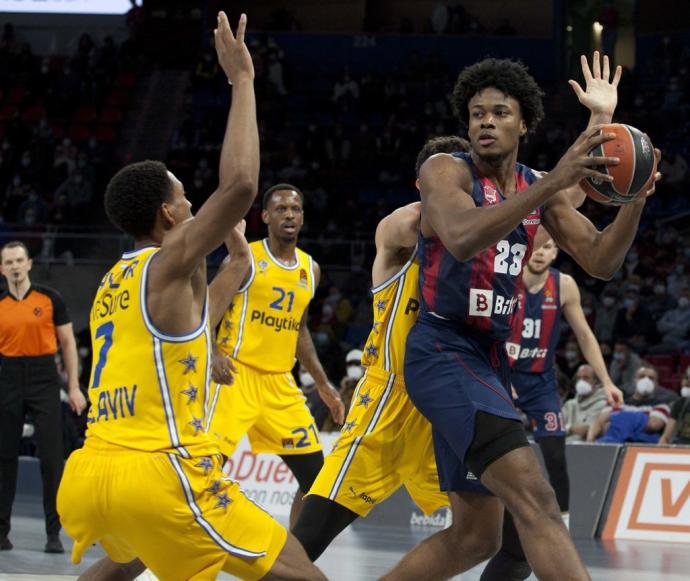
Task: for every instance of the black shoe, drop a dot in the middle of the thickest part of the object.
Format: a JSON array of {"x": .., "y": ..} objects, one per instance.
[
  {"x": 54, "y": 544},
  {"x": 5, "y": 544}
]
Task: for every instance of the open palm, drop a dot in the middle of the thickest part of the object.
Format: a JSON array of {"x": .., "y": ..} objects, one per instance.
[{"x": 601, "y": 92}]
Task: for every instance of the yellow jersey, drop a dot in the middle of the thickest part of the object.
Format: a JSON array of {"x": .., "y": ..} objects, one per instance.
[
  {"x": 261, "y": 325},
  {"x": 396, "y": 304},
  {"x": 149, "y": 391}
]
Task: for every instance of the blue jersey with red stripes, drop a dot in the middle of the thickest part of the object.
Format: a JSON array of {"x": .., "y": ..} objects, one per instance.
[
  {"x": 482, "y": 292},
  {"x": 536, "y": 327}
]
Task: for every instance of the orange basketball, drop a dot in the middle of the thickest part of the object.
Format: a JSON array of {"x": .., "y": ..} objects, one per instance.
[{"x": 633, "y": 176}]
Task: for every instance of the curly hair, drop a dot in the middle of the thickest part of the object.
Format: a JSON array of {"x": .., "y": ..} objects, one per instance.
[
  {"x": 509, "y": 76},
  {"x": 442, "y": 144},
  {"x": 134, "y": 195}
]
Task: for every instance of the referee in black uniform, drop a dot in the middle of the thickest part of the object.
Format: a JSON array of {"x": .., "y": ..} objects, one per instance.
[{"x": 33, "y": 319}]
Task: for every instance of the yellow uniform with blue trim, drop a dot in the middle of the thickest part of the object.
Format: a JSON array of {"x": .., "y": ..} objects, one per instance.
[
  {"x": 148, "y": 482},
  {"x": 259, "y": 332},
  {"x": 385, "y": 441}
]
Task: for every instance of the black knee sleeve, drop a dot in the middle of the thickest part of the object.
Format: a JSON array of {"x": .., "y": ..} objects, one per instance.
[
  {"x": 553, "y": 451},
  {"x": 510, "y": 563},
  {"x": 320, "y": 521},
  {"x": 494, "y": 437},
  {"x": 305, "y": 467}
]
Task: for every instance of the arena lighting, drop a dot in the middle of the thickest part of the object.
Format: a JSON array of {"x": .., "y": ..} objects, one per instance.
[
  {"x": 569, "y": 28},
  {"x": 597, "y": 27},
  {"x": 67, "y": 6}
]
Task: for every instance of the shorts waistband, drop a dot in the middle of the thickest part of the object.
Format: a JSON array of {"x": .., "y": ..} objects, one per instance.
[
  {"x": 383, "y": 376},
  {"x": 28, "y": 360}
]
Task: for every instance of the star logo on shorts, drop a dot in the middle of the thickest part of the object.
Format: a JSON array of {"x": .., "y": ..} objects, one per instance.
[
  {"x": 380, "y": 306},
  {"x": 198, "y": 425},
  {"x": 224, "y": 341},
  {"x": 227, "y": 325},
  {"x": 372, "y": 351},
  {"x": 349, "y": 426},
  {"x": 365, "y": 400},
  {"x": 222, "y": 501},
  {"x": 189, "y": 363},
  {"x": 215, "y": 487},
  {"x": 191, "y": 392},
  {"x": 205, "y": 463},
  {"x": 376, "y": 327}
]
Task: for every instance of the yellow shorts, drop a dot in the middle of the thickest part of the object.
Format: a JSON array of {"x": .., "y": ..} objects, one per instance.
[
  {"x": 182, "y": 517},
  {"x": 385, "y": 443},
  {"x": 269, "y": 408}
]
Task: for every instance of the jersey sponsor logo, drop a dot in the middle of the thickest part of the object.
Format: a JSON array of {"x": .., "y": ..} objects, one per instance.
[
  {"x": 483, "y": 303},
  {"x": 38, "y": 311},
  {"x": 515, "y": 352},
  {"x": 362, "y": 496},
  {"x": 532, "y": 219},
  {"x": 263, "y": 265},
  {"x": 490, "y": 195},
  {"x": 303, "y": 281},
  {"x": 277, "y": 323},
  {"x": 109, "y": 303}
]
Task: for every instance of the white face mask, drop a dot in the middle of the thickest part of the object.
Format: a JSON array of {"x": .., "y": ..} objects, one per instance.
[
  {"x": 355, "y": 371},
  {"x": 645, "y": 386},
  {"x": 618, "y": 356},
  {"x": 571, "y": 355},
  {"x": 583, "y": 387},
  {"x": 685, "y": 392},
  {"x": 306, "y": 379}
]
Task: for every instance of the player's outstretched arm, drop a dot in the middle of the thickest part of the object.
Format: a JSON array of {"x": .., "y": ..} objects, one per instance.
[
  {"x": 309, "y": 359},
  {"x": 600, "y": 94},
  {"x": 239, "y": 162},
  {"x": 465, "y": 229},
  {"x": 572, "y": 309},
  {"x": 230, "y": 276},
  {"x": 396, "y": 236}
]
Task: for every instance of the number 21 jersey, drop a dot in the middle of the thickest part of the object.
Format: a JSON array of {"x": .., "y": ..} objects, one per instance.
[
  {"x": 482, "y": 292},
  {"x": 261, "y": 326}
]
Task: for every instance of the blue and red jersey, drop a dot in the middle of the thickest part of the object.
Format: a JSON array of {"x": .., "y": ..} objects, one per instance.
[
  {"x": 536, "y": 327},
  {"x": 480, "y": 293}
]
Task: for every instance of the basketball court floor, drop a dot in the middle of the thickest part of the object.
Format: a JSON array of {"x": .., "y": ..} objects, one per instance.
[{"x": 360, "y": 554}]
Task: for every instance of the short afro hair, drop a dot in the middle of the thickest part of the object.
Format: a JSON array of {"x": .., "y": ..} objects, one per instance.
[
  {"x": 134, "y": 195},
  {"x": 279, "y": 188},
  {"x": 442, "y": 144},
  {"x": 509, "y": 76}
]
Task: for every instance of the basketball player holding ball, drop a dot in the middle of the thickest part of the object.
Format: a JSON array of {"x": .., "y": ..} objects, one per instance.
[{"x": 480, "y": 214}]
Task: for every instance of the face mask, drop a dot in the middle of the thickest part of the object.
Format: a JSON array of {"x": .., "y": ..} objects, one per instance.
[
  {"x": 583, "y": 387},
  {"x": 629, "y": 303},
  {"x": 683, "y": 302},
  {"x": 306, "y": 379},
  {"x": 685, "y": 392},
  {"x": 618, "y": 356},
  {"x": 571, "y": 355},
  {"x": 659, "y": 289},
  {"x": 355, "y": 371},
  {"x": 608, "y": 301},
  {"x": 645, "y": 386}
]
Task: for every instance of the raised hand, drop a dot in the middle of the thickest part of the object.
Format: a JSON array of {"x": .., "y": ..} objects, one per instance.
[
  {"x": 233, "y": 54},
  {"x": 576, "y": 163},
  {"x": 601, "y": 94}
]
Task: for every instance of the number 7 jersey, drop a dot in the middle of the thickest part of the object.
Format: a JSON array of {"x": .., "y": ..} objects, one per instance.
[
  {"x": 261, "y": 326},
  {"x": 148, "y": 389}
]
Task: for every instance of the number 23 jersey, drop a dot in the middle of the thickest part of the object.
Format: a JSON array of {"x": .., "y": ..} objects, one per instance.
[
  {"x": 482, "y": 292},
  {"x": 261, "y": 326}
]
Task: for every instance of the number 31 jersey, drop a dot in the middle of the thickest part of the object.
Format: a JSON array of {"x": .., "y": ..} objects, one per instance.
[
  {"x": 482, "y": 292},
  {"x": 261, "y": 325}
]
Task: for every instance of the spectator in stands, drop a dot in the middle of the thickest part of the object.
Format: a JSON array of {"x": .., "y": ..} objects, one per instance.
[
  {"x": 581, "y": 411},
  {"x": 674, "y": 325},
  {"x": 571, "y": 359},
  {"x": 677, "y": 279},
  {"x": 634, "y": 322},
  {"x": 678, "y": 427},
  {"x": 629, "y": 424},
  {"x": 606, "y": 314},
  {"x": 660, "y": 301},
  {"x": 624, "y": 366},
  {"x": 315, "y": 404},
  {"x": 648, "y": 392}
]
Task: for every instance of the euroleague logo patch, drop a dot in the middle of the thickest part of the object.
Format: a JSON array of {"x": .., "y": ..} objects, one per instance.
[
  {"x": 303, "y": 282},
  {"x": 38, "y": 311}
]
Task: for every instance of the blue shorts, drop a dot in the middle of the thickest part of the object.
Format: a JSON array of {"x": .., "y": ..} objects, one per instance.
[
  {"x": 538, "y": 397},
  {"x": 451, "y": 374}
]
